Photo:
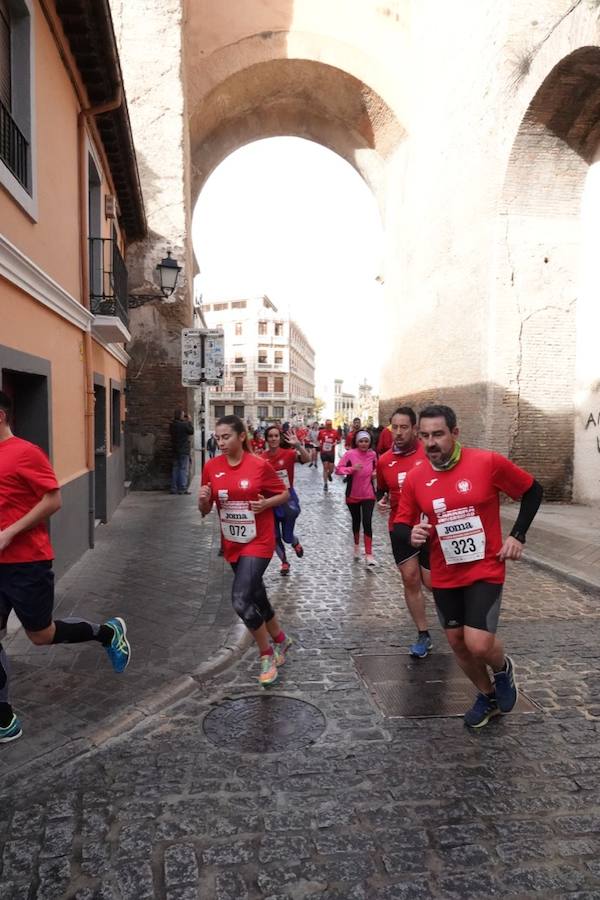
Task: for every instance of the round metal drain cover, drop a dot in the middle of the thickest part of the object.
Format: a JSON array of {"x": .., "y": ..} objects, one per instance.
[{"x": 264, "y": 724}]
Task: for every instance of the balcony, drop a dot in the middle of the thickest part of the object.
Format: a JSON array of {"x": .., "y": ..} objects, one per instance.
[
  {"x": 108, "y": 291},
  {"x": 270, "y": 367},
  {"x": 237, "y": 366},
  {"x": 14, "y": 148}
]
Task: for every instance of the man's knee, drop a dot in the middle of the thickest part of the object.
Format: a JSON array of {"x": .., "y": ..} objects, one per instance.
[
  {"x": 43, "y": 637},
  {"x": 456, "y": 639},
  {"x": 479, "y": 643},
  {"x": 411, "y": 577}
]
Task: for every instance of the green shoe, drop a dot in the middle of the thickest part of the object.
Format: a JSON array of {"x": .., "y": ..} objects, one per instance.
[
  {"x": 281, "y": 649},
  {"x": 11, "y": 732}
]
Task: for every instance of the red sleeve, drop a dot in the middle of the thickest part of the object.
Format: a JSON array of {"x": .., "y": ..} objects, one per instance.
[
  {"x": 381, "y": 485},
  {"x": 408, "y": 511},
  {"x": 270, "y": 482},
  {"x": 509, "y": 478},
  {"x": 35, "y": 469}
]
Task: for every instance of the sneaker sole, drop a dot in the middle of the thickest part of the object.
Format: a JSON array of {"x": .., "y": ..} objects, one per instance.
[
  {"x": 484, "y": 722},
  {"x": 124, "y": 627},
  {"x": 13, "y": 737},
  {"x": 266, "y": 684},
  {"x": 420, "y": 655}
]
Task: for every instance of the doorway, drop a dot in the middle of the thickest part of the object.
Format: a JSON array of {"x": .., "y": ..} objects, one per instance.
[
  {"x": 29, "y": 395},
  {"x": 100, "y": 452}
]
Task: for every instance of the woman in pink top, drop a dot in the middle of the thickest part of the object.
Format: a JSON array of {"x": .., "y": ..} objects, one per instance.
[{"x": 359, "y": 465}]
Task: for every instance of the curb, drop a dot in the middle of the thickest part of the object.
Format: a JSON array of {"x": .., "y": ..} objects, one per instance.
[
  {"x": 149, "y": 705},
  {"x": 579, "y": 581}
]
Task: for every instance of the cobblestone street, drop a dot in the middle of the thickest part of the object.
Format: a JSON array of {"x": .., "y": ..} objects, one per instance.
[{"x": 373, "y": 808}]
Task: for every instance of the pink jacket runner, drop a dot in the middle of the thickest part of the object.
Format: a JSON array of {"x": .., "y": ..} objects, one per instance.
[{"x": 362, "y": 484}]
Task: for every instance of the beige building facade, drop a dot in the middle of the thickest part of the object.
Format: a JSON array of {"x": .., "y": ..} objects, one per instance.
[
  {"x": 475, "y": 124},
  {"x": 269, "y": 364}
]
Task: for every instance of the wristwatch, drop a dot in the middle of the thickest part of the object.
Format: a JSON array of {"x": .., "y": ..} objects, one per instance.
[{"x": 519, "y": 535}]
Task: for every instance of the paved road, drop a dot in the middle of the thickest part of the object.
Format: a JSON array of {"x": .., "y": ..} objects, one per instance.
[{"x": 375, "y": 808}]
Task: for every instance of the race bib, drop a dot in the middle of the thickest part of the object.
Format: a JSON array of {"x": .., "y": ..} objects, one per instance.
[
  {"x": 238, "y": 523},
  {"x": 462, "y": 540},
  {"x": 327, "y": 446},
  {"x": 283, "y": 474}
]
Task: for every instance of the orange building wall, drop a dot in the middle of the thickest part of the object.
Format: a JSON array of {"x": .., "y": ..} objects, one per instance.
[{"x": 28, "y": 326}]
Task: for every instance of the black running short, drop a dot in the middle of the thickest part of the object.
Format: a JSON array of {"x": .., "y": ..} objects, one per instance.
[
  {"x": 477, "y": 606},
  {"x": 328, "y": 457},
  {"x": 404, "y": 550},
  {"x": 28, "y": 589}
]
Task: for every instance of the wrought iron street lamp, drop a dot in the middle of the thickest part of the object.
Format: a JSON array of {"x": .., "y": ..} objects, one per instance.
[{"x": 168, "y": 272}]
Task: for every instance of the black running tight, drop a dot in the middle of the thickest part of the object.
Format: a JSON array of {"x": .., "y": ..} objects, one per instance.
[
  {"x": 248, "y": 594},
  {"x": 362, "y": 511}
]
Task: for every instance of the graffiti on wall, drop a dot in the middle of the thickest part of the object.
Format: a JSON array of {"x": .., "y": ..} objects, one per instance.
[{"x": 593, "y": 421}]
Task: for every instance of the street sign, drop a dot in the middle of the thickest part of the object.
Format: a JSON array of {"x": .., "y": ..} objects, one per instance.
[
  {"x": 202, "y": 356},
  {"x": 214, "y": 356}
]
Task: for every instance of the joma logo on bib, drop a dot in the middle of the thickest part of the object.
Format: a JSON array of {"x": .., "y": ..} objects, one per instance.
[{"x": 459, "y": 526}]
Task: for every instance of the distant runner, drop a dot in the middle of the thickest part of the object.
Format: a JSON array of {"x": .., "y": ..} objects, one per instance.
[
  {"x": 283, "y": 456},
  {"x": 359, "y": 467},
  {"x": 328, "y": 439},
  {"x": 458, "y": 490}
]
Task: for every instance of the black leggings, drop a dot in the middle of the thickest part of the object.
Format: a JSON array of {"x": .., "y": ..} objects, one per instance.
[
  {"x": 248, "y": 594},
  {"x": 364, "y": 511}
]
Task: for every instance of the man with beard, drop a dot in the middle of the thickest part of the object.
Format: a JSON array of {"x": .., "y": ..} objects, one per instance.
[
  {"x": 413, "y": 562},
  {"x": 458, "y": 491}
]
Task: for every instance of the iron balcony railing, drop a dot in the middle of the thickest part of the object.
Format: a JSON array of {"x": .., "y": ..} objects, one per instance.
[
  {"x": 108, "y": 280},
  {"x": 14, "y": 147}
]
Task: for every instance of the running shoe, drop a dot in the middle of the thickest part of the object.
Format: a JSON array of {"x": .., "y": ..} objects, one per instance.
[
  {"x": 119, "y": 649},
  {"x": 329, "y": 478},
  {"x": 285, "y": 569},
  {"x": 268, "y": 670},
  {"x": 506, "y": 689},
  {"x": 325, "y": 487},
  {"x": 11, "y": 732},
  {"x": 421, "y": 647},
  {"x": 298, "y": 550},
  {"x": 484, "y": 709},
  {"x": 281, "y": 649},
  {"x": 356, "y": 555},
  {"x": 370, "y": 560}
]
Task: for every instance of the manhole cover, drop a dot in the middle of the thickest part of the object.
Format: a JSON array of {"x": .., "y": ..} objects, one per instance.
[
  {"x": 421, "y": 688},
  {"x": 264, "y": 724}
]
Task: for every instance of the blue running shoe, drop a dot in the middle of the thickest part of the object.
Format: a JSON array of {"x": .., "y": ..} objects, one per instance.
[
  {"x": 119, "y": 650},
  {"x": 506, "y": 690},
  {"x": 484, "y": 709},
  {"x": 422, "y": 647},
  {"x": 11, "y": 732}
]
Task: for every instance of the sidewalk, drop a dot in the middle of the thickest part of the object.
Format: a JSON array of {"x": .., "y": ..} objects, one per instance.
[
  {"x": 563, "y": 539},
  {"x": 156, "y": 565}
]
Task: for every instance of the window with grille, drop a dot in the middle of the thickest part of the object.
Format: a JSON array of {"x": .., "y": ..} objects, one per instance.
[
  {"x": 263, "y": 412},
  {"x": 279, "y": 357},
  {"x": 219, "y": 412},
  {"x": 278, "y": 412},
  {"x": 238, "y": 383},
  {"x": 238, "y": 411},
  {"x": 263, "y": 383}
]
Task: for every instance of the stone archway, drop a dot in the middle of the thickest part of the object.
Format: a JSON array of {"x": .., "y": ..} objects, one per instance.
[{"x": 542, "y": 306}]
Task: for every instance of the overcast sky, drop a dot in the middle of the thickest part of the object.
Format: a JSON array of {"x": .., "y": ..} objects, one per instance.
[{"x": 288, "y": 218}]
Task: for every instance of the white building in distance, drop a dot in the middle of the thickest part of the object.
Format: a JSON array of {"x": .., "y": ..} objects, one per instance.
[
  {"x": 269, "y": 363},
  {"x": 344, "y": 404}
]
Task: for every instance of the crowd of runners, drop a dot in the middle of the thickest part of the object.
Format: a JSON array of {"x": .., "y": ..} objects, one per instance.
[{"x": 441, "y": 501}]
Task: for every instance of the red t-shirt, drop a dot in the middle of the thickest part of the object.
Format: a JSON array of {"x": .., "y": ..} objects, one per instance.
[
  {"x": 283, "y": 461},
  {"x": 258, "y": 444},
  {"x": 232, "y": 489},
  {"x": 302, "y": 434},
  {"x": 25, "y": 477},
  {"x": 328, "y": 438},
  {"x": 463, "y": 506},
  {"x": 392, "y": 469},
  {"x": 348, "y": 441},
  {"x": 386, "y": 439}
]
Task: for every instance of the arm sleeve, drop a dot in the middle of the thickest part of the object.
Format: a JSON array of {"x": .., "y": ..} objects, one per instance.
[
  {"x": 344, "y": 467},
  {"x": 530, "y": 503}
]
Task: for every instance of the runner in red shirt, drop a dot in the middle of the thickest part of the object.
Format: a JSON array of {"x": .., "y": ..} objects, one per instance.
[
  {"x": 356, "y": 426},
  {"x": 29, "y": 495},
  {"x": 413, "y": 564},
  {"x": 245, "y": 489},
  {"x": 328, "y": 440},
  {"x": 386, "y": 439},
  {"x": 283, "y": 459},
  {"x": 257, "y": 443},
  {"x": 458, "y": 491}
]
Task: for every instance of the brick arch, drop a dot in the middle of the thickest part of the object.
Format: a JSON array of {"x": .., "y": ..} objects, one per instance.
[
  {"x": 537, "y": 278},
  {"x": 294, "y": 97}
]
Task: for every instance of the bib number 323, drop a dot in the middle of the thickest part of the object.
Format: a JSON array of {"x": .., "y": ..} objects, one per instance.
[
  {"x": 238, "y": 524},
  {"x": 462, "y": 540}
]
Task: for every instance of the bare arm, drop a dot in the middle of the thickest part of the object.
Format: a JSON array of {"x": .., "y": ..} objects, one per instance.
[
  {"x": 268, "y": 502},
  {"x": 46, "y": 507}
]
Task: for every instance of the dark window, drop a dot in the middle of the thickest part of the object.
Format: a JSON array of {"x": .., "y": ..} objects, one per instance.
[
  {"x": 238, "y": 411},
  {"x": 263, "y": 383},
  {"x": 278, "y": 329},
  {"x": 263, "y": 412},
  {"x": 262, "y": 327},
  {"x": 279, "y": 357},
  {"x": 262, "y": 357},
  {"x": 219, "y": 412},
  {"x": 238, "y": 383},
  {"x": 239, "y": 359},
  {"x": 278, "y": 387},
  {"x": 5, "y": 60},
  {"x": 238, "y": 304},
  {"x": 115, "y": 418},
  {"x": 218, "y": 306},
  {"x": 278, "y": 412}
]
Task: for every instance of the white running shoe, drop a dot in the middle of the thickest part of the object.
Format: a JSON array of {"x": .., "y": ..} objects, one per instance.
[
  {"x": 370, "y": 560},
  {"x": 356, "y": 553}
]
